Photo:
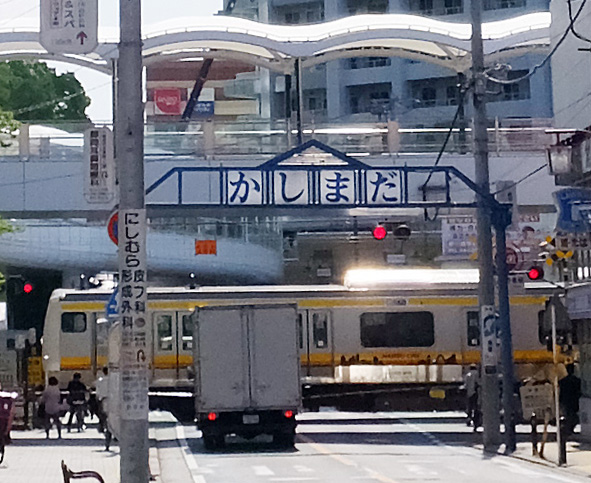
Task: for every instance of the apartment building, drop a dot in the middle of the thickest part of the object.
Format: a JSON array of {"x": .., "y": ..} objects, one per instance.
[{"x": 412, "y": 91}]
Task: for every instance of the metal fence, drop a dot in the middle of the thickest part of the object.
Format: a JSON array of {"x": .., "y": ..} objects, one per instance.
[{"x": 234, "y": 139}]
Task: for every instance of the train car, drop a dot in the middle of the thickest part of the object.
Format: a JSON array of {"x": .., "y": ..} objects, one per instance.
[{"x": 404, "y": 328}]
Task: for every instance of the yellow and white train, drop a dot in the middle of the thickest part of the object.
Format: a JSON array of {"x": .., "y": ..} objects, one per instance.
[{"x": 395, "y": 327}]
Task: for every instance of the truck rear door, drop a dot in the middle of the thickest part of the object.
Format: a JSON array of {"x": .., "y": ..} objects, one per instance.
[
  {"x": 221, "y": 359},
  {"x": 274, "y": 355}
]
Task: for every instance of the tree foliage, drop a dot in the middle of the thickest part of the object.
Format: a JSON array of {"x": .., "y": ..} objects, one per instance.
[
  {"x": 8, "y": 128},
  {"x": 32, "y": 91}
]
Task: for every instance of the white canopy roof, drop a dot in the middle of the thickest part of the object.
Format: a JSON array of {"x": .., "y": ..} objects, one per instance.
[{"x": 275, "y": 46}]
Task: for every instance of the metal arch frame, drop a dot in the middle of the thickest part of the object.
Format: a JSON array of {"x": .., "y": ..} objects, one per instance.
[{"x": 500, "y": 212}]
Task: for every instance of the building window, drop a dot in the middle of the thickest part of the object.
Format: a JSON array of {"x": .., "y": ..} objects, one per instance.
[
  {"x": 502, "y": 4},
  {"x": 451, "y": 96},
  {"x": 360, "y": 7},
  {"x": 436, "y": 7},
  {"x": 367, "y": 62},
  {"x": 74, "y": 322},
  {"x": 300, "y": 13},
  {"x": 368, "y": 97},
  {"x": 510, "y": 92},
  {"x": 315, "y": 100},
  {"x": 397, "y": 329}
]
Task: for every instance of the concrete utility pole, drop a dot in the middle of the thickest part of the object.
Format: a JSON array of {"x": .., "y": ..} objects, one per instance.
[
  {"x": 489, "y": 395},
  {"x": 132, "y": 249}
]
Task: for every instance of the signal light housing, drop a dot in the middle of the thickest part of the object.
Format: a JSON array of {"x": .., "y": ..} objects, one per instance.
[
  {"x": 379, "y": 232},
  {"x": 535, "y": 273}
]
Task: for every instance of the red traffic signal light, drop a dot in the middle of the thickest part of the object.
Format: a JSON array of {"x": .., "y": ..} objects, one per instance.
[
  {"x": 379, "y": 232},
  {"x": 535, "y": 273},
  {"x": 28, "y": 287}
]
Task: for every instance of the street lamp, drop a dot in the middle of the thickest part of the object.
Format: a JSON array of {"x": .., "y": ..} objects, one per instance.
[{"x": 559, "y": 159}]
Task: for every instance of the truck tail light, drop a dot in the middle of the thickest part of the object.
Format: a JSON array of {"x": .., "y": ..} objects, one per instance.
[
  {"x": 212, "y": 416},
  {"x": 288, "y": 414}
]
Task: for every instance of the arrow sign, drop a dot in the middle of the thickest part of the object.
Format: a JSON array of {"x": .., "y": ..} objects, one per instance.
[{"x": 82, "y": 36}]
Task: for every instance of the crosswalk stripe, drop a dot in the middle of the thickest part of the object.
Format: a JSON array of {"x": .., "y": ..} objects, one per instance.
[{"x": 262, "y": 471}]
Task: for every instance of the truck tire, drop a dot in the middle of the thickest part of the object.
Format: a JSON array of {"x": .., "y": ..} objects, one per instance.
[
  {"x": 220, "y": 441},
  {"x": 210, "y": 442},
  {"x": 284, "y": 440}
]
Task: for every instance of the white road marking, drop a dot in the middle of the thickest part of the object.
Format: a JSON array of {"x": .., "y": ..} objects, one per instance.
[
  {"x": 262, "y": 471},
  {"x": 421, "y": 471},
  {"x": 302, "y": 469},
  {"x": 190, "y": 460},
  {"x": 294, "y": 478}
]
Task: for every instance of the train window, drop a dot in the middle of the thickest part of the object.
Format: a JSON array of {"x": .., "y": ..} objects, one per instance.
[
  {"x": 164, "y": 325},
  {"x": 320, "y": 330},
  {"x": 300, "y": 331},
  {"x": 473, "y": 327},
  {"x": 74, "y": 322},
  {"x": 187, "y": 333},
  {"x": 397, "y": 329}
]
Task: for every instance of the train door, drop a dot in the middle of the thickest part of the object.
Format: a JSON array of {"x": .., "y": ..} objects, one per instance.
[
  {"x": 100, "y": 353},
  {"x": 173, "y": 348},
  {"x": 316, "y": 342}
]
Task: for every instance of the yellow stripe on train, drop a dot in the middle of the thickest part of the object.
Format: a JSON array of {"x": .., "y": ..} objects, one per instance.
[{"x": 316, "y": 303}]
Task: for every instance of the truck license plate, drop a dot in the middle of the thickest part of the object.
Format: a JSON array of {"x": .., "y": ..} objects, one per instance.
[{"x": 250, "y": 418}]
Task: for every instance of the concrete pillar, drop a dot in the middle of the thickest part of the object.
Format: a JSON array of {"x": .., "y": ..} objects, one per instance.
[
  {"x": 24, "y": 143},
  {"x": 209, "y": 138}
]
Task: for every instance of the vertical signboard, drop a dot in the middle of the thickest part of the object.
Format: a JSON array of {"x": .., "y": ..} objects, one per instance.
[
  {"x": 69, "y": 26},
  {"x": 133, "y": 311},
  {"x": 488, "y": 326},
  {"x": 99, "y": 169}
]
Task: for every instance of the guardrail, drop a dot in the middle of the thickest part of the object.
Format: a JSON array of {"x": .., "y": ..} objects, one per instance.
[{"x": 209, "y": 140}]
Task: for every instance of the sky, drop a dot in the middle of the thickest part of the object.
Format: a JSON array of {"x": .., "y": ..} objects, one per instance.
[{"x": 15, "y": 13}]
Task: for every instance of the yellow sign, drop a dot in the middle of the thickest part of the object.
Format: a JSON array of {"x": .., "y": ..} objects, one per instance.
[
  {"x": 206, "y": 247},
  {"x": 35, "y": 374}
]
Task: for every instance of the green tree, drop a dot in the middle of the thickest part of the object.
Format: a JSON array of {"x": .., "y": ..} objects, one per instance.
[
  {"x": 8, "y": 128},
  {"x": 32, "y": 91}
]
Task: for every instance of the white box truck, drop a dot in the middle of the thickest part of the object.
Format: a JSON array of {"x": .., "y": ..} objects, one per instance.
[{"x": 247, "y": 379}]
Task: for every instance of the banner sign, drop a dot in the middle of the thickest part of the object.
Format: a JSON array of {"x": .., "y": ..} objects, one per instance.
[
  {"x": 325, "y": 187},
  {"x": 99, "y": 167},
  {"x": 133, "y": 313},
  {"x": 168, "y": 101}
]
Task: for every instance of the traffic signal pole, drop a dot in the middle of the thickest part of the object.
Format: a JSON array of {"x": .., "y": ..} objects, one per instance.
[
  {"x": 502, "y": 219},
  {"x": 489, "y": 394},
  {"x": 133, "y": 318}
]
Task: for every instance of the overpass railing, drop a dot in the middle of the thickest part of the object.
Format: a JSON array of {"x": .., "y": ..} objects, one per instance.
[{"x": 226, "y": 139}]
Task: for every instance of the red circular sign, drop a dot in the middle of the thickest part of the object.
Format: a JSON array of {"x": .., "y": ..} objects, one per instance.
[{"x": 112, "y": 228}]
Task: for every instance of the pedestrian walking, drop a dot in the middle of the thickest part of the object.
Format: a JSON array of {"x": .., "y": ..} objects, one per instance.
[
  {"x": 51, "y": 399},
  {"x": 569, "y": 394},
  {"x": 77, "y": 395},
  {"x": 102, "y": 393},
  {"x": 471, "y": 385}
]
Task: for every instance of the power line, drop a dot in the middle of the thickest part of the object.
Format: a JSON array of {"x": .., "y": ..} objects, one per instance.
[
  {"x": 572, "y": 24},
  {"x": 546, "y": 59},
  {"x": 521, "y": 180}
]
